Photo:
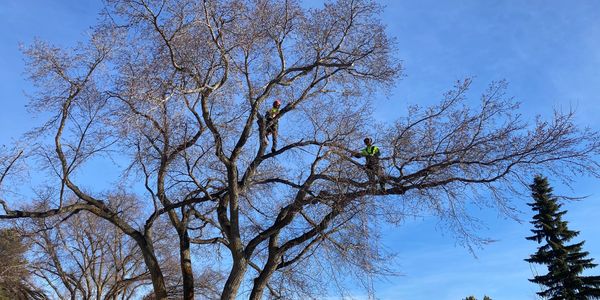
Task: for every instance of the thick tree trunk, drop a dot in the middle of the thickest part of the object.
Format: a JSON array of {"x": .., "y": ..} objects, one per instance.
[
  {"x": 234, "y": 280},
  {"x": 186, "y": 266},
  {"x": 158, "y": 281},
  {"x": 260, "y": 282}
]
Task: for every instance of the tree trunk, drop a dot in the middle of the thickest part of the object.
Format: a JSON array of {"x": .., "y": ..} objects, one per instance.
[
  {"x": 235, "y": 279},
  {"x": 186, "y": 266},
  {"x": 260, "y": 282},
  {"x": 158, "y": 281}
]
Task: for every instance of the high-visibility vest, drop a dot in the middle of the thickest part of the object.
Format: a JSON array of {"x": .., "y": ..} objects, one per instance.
[
  {"x": 271, "y": 113},
  {"x": 370, "y": 151}
]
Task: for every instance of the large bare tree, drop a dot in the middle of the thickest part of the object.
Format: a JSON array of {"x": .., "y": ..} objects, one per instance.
[
  {"x": 84, "y": 257},
  {"x": 172, "y": 95}
]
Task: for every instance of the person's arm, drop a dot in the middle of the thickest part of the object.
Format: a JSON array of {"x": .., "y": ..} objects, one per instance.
[
  {"x": 377, "y": 152},
  {"x": 358, "y": 154}
]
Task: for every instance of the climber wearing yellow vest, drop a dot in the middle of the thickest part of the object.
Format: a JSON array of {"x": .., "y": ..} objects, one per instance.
[
  {"x": 371, "y": 153},
  {"x": 272, "y": 123}
]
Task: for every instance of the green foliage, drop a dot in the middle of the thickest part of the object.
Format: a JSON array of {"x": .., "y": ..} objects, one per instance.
[{"x": 565, "y": 262}]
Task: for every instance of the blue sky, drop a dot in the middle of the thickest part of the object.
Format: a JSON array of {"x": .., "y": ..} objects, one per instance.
[{"x": 549, "y": 51}]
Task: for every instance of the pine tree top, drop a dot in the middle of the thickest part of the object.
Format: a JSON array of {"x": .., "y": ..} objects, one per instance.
[{"x": 565, "y": 262}]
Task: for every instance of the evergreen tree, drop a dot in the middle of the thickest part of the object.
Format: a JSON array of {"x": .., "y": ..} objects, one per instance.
[{"x": 565, "y": 262}]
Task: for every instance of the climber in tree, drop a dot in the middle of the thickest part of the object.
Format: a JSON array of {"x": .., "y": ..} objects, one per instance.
[
  {"x": 272, "y": 124},
  {"x": 371, "y": 153}
]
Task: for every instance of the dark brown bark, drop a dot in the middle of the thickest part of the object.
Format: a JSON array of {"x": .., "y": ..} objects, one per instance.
[
  {"x": 234, "y": 280},
  {"x": 186, "y": 266},
  {"x": 158, "y": 280},
  {"x": 260, "y": 282}
]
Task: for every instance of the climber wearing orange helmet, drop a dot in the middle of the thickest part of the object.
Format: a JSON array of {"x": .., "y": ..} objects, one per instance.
[{"x": 272, "y": 123}]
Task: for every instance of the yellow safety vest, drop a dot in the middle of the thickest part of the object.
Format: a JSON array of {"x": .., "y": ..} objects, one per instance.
[
  {"x": 271, "y": 113},
  {"x": 370, "y": 151}
]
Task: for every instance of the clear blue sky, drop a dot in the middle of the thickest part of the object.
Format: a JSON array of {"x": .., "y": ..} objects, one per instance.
[{"x": 549, "y": 51}]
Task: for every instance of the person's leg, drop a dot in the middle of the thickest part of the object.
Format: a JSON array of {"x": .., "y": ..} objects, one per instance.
[
  {"x": 376, "y": 177},
  {"x": 274, "y": 138},
  {"x": 380, "y": 177},
  {"x": 266, "y": 137},
  {"x": 371, "y": 174},
  {"x": 268, "y": 129}
]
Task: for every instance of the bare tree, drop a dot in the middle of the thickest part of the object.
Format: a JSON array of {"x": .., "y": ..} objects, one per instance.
[
  {"x": 84, "y": 257},
  {"x": 15, "y": 276},
  {"x": 176, "y": 88}
]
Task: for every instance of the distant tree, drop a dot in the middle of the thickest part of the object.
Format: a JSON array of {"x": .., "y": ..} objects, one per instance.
[
  {"x": 565, "y": 262},
  {"x": 14, "y": 275},
  {"x": 84, "y": 257},
  {"x": 473, "y": 298}
]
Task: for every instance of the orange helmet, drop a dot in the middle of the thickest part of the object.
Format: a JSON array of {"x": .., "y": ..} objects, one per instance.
[{"x": 277, "y": 102}]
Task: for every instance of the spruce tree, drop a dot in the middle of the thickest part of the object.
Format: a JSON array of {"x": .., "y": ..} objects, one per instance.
[{"x": 565, "y": 262}]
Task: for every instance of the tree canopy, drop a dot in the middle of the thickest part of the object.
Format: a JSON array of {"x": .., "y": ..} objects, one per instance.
[{"x": 171, "y": 96}]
